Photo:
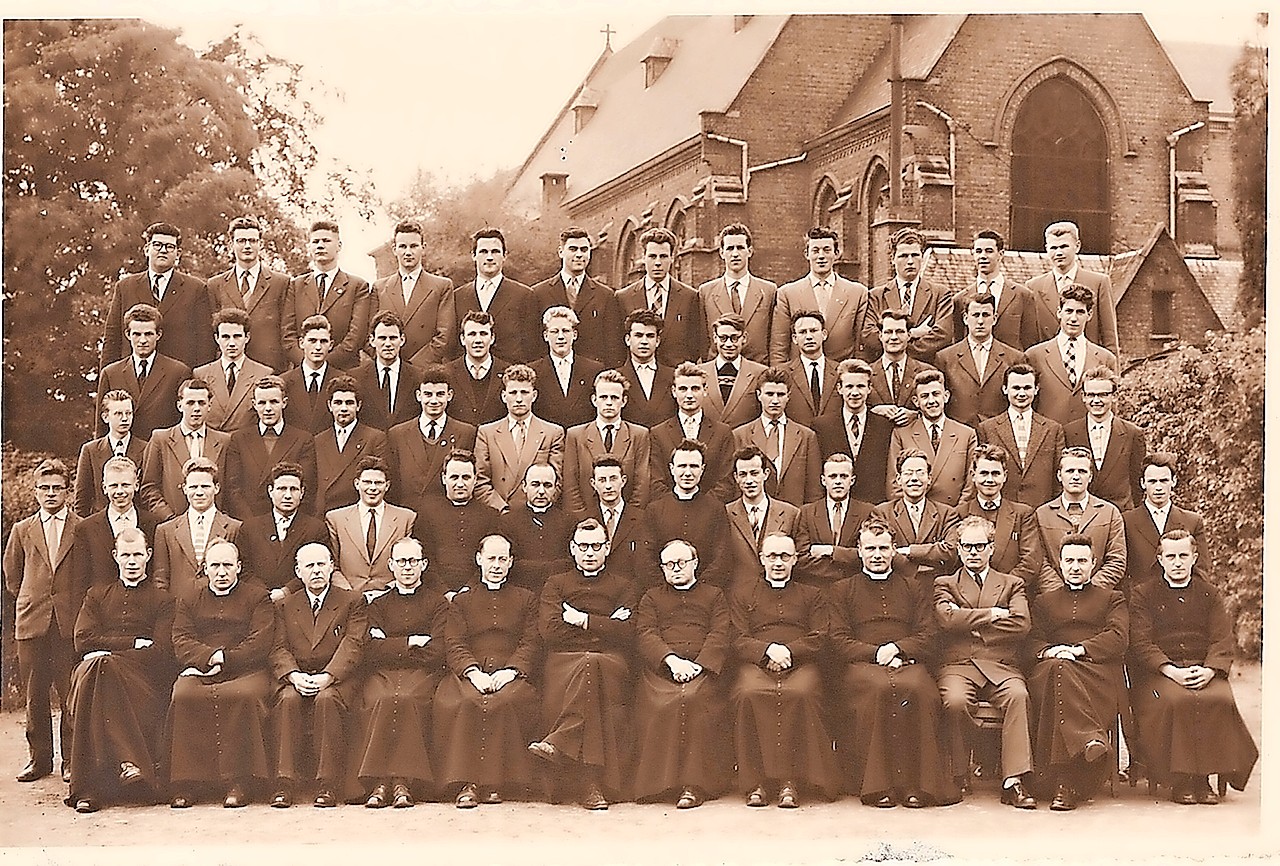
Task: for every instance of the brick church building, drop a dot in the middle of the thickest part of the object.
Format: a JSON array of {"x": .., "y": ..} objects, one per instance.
[{"x": 987, "y": 121}]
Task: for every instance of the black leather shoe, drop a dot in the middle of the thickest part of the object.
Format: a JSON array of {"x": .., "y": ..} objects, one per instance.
[
  {"x": 787, "y": 797},
  {"x": 180, "y": 802},
  {"x": 1064, "y": 800},
  {"x": 885, "y": 801},
  {"x": 86, "y": 805},
  {"x": 281, "y": 800},
  {"x": 401, "y": 798},
  {"x": 493, "y": 797},
  {"x": 1205, "y": 795},
  {"x": 468, "y": 797},
  {"x": 325, "y": 799},
  {"x": 130, "y": 773},
  {"x": 757, "y": 797},
  {"x": 688, "y": 799},
  {"x": 1015, "y": 795},
  {"x": 377, "y": 798},
  {"x": 594, "y": 799},
  {"x": 236, "y": 798},
  {"x": 32, "y": 773},
  {"x": 914, "y": 801}
]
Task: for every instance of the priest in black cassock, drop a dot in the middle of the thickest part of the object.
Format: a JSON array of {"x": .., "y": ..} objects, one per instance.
[
  {"x": 486, "y": 708},
  {"x": 120, "y": 689},
  {"x": 450, "y": 529},
  {"x": 682, "y": 632},
  {"x": 1078, "y": 638},
  {"x": 781, "y": 740},
  {"x": 689, "y": 511},
  {"x": 882, "y": 631},
  {"x": 539, "y": 530}
]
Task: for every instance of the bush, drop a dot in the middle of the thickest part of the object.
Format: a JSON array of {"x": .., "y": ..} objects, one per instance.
[{"x": 1205, "y": 405}]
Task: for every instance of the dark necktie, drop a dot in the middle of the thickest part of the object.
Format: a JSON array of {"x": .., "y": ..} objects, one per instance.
[
  {"x": 320, "y": 281},
  {"x": 977, "y": 578},
  {"x": 935, "y": 437},
  {"x": 371, "y": 536},
  {"x": 314, "y": 387},
  {"x": 733, "y": 296},
  {"x": 231, "y": 378},
  {"x": 431, "y": 432},
  {"x": 897, "y": 381},
  {"x": 142, "y": 370},
  {"x": 608, "y": 437},
  {"x": 726, "y": 374},
  {"x": 315, "y": 609},
  {"x": 155, "y": 287},
  {"x": 815, "y": 386},
  {"x": 244, "y": 284},
  {"x": 386, "y": 389}
]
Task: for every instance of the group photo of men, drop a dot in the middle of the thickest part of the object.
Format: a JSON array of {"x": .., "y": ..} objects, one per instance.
[{"x": 339, "y": 542}]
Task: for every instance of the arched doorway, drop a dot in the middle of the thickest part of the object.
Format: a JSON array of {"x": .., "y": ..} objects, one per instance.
[
  {"x": 627, "y": 264},
  {"x": 876, "y": 207}
]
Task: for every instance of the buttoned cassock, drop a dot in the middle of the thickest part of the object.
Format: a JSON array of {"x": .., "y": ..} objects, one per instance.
[
  {"x": 566, "y": 408},
  {"x": 231, "y": 410},
  {"x": 1142, "y": 540},
  {"x": 933, "y": 546},
  {"x": 870, "y": 463},
  {"x": 373, "y": 400},
  {"x": 155, "y": 401},
  {"x": 976, "y": 398},
  {"x": 948, "y": 466},
  {"x": 717, "y": 474},
  {"x": 658, "y": 406},
  {"x": 249, "y": 467},
  {"x": 265, "y": 306},
  {"x": 415, "y": 462},
  {"x": 583, "y": 443},
  {"x": 270, "y": 561},
  {"x": 430, "y": 328},
  {"x": 451, "y": 534},
  {"x": 161, "y": 479},
  {"x": 348, "y": 533},
  {"x": 846, "y": 317},
  {"x": 684, "y": 329},
  {"x": 539, "y": 543},
  {"x": 929, "y": 302},
  {"x": 185, "y": 309},
  {"x": 1058, "y": 398},
  {"x": 1117, "y": 479},
  {"x": 348, "y": 304},
  {"x": 801, "y": 407},
  {"x": 1102, "y": 523},
  {"x": 757, "y": 311},
  {"x": 174, "y": 564},
  {"x": 599, "y": 316},
  {"x": 501, "y": 465},
  {"x": 515, "y": 335},
  {"x": 797, "y": 474},
  {"x": 1017, "y": 544},
  {"x": 743, "y": 544},
  {"x": 1016, "y": 322},
  {"x": 478, "y": 402},
  {"x": 1102, "y": 327},
  {"x": 1033, "y": 481},
  {"x": 336, "y": 470},
  {"x": 813, "y": 526},
  {"x": 742, "y": 405},
  {"x": 88, "y": 496}
]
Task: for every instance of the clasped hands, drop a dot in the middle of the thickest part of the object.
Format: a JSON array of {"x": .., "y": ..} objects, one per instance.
[
  {"x": 778, "y": 657},
  {"x": 489, "y": 683},
  {"x": 1192, "y": 677},
  {"x": 682, "y": 670},
  {"x": 216, "y": 661},
  {"x": 1064, "y": 652},
  {"x": 310, "y": 685}
]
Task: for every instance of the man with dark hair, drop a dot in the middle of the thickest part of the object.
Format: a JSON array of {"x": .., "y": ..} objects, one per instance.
[
  {"x": 813, "y": 375},
  {"x": 183, "y": 541},
  {"x": 232, "y": 375},
  {"x": 363, "y": 533},
  {"x": 1015, "y": 316},
  {"x": 149, "y": 377},
  {"x": 649, "y": 401},
  {"x": 632, "y": 551},
  {"x": 422, "y": 301},
  {"x": 539, "y": 529},
  {"x": 689, "y": 387},
  {"x": 1032, "y": 441},
  {"x": 1118, "y": 446},
  {"x": 607, "y": 434},
  {"x": 842, "y": 302},
  {"x": 975, "y": 365},
  {"x": 731, "y": 377},
  {"x": 927, "y": 305},
  {"x": 477, "y": 376},
  {"x": 507, "y": 447},
  {"x": 924, "y": 530},
  {"x": 1078, "y": 512},
  {"x": 948, "y": 443},
  {"x": 791, "y": 447},
  {"x": 1154, "y": 515},
  {"x": 255, "y": 449},
  {"x": 416, "y": 449},
  {"x": 690, "y": 511},
  {"x": 170, "y": 448},
  {"x": 594, "y": 303},
  {"x": 1017, "y": 544},
  {"x": 753, "y": 516},
  {"x": 856, "y": 431},
  {"x": 305, "y": 385},
  {"x": 510, "y": 303},
  {"x": 251, "y": 286},
  {"x": 271, "y": 541},
  {"x": 345, "y": 300},
  {"x": 826, "y": 530},
  {"x": 893, "y": 373},
  {"x": 1062, "y": 244},
  {"x": 677, "y": 304},
  {"x": 740, "y": 293},
  {"x": 387, "y": 382},
  {"x": 568, "y": 377},
  {"x": 341, "y": 445},
  {"x": 452, "y": 526},
  {"x": 183, "y": 301},
  {"x": 119, "y": 441},
  {"x": 1061, "y": 361}
]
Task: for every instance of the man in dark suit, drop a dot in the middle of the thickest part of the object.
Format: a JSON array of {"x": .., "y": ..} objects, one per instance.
[
  {"x": 684, "y": 331},
  {"x": 975, "y": 366},
  {"x": 1062, "y": 244},
  {"x": 827, "y": 529},
  {"x": 1016, "y": 323},
  {"x": 691, "y": 421},
  {"x": 510, "y": 303},
  {"x": 927, "y": 305},
  {"x": 567, "y": 377},
  {"x": 149, "y": 377},
  {"x": 892, "y": 395},
  {"x": 117, "y": 414},
  {"x": 948, "y": 443},
  {"x": 731, "y": 377},
  {"x": 858, "y": 432},
  {"x": 416, "y": 449},
  {"x": 1078, "y": 512},
  {"x": 271, "y": 541},
  {"x": 606, "y": 434},
  {"x": 1154, "y": 515},
  {"x": 1032, "y": 441},
  {"x": 649, "y": 399},
  {"x": 842, "y": 302},
  {"x": 423, "y": 302},
  {"x": 740, "y": 293},
  {"x": 171, "y": 447},
  {"x": 341, "y": 445},
  {"x": 346, "y": 301},
  {"x": 476, "y": 377},
  {"x": 1062, "y": 360},
  {"x": 182, "y": 301},
  {"x": 231, "y": 376},
  {"x": 1017, "y": 542},
  {"x": 813, "y": 374},
  {"x": 251, "y": 286},
  {"x": 596, "y": 305},
  {"x": 924, "y": 531},
  {"x": 255, "y": 450},
  {"x": 306, "y": 384},
  {"x": 753, "y": 517},
  {"x": 1118, "y": 446},
  {"x": 632, "y": 551},
  {"x": 386, "y": 382},
  {"x": 95, "y": 535}
]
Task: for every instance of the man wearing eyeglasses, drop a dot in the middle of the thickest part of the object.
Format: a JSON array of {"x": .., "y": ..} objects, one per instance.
[
  {"x": 363, "y": 533},
  {"x": 982, "y": 621},
  {"x": 924, "y": 530},
  {"x": 1118, "y": 446},
  {"x": 585, "y": 618},
  {"x": 731, "y": 391},
  {"x": 683, "y": 632}
]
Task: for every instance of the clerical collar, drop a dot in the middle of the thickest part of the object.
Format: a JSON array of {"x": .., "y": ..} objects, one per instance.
[
  {"x": 463, "y": 504},
  {"x": 590, "y": 574},
  {"x": 776, "y": 584},
  {"x": 537, "y": 510},
  {"x": 225, "y": 592},
  {"x": 1073, "y": 588},
  {"x": 135, "y": 584},
  {"x": 493, "y": 587},
  {"x": 877, "y": 575},
  {"x": 690, "y": 585},
  {"x": 682, "y": 496},
  {"x": 406, "y": 591},
  {"x": 1173, "y": 585}
]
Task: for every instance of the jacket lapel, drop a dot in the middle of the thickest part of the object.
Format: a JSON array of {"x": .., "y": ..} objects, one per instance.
[
  {"x": 334, "y": 292},
  {"x": 790, "y": 445},
  {"x": 738, "y": 519},
  {"x": 184, "y": 540}
]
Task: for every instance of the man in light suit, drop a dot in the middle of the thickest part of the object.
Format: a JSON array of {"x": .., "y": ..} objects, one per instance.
[
  {"x": 924, "y": 531},
  {"x": 507, "y": 447},
  {"x": 232, "y": 376},
  {"x": 117, "y": 414},
  {"x": 791, "y": 447},
  {"x": 416, "y": 449},
  {"x": 594, "y": 303},
  {"x": 40, "y": 573},
  {"x": 567, "y": 377},
  {"x": 684, "y": 331},
  {"x": 422, "y": 301},
  {"x": 477, "y": 375},
  {"x": 1062, "y": 243},
  {"x": 927, "y": 305},
  {"x": 386, "y": 382},
  {"x": 182, "y": 301},
  {"x": 739, "y": 293},
  {"x": 753, "y": 517},
  {"x": 509, "y": 302},
  {"x": 1062, "y": 360},
  {"x": 342, "y": 445},
  {"x": 1118, "y": 446},
  {"x": 1076, "y": 511},
  {"x": 650, "y": 401},
  {"x": 692, "y": 421},
  {"x": 843, "y": 303},
  {"x": 607, "y": 434},
  {"x": 948, "y": 443},
  {"x": 857, "y": 432},
  {"x": 149, "y": 377},
  {"x": 1032, "y": 441},
  {"x": 363, "y": 533},
  {"x": 251, "y": 286},
  {"x": 345, "y": 300},
  {"x": 893, "y": 372},
  {"x": 1155, "y": 515},
  {"x": 178, "y": 562},
  {"x": 171, "y": 448},
  {"x": 731, "y": 395},
  {"x": 305, "y": 385},
  {"x": 827, "y": 529},
  {"x": 813, "y": 374},
  {"x": 975, "y": 366},
  {"x": 255, "y": 449},
  {"x": 1017, "y": 542},
  {"x": 1016, "y": 323}
]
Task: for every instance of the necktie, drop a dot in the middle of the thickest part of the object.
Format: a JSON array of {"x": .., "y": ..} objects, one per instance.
[
  {"x": 988, "y": 506},
  {"x": 315, "y": 609},
  {"x": 608, "y": 437},
  {"x": 980, "y": 360},
  {"x": 155, "y": 287},
  {"x": 935, "y": 436},
  {"x": 432, "y": 431},
  {"x": 320, "y": 284},
  {"x": 282, "y": 530},
  {"x": 837, "y": 521},
  {"x": 314, "y": 387},
  {"x": 908, "y": 298},
  {"x": 689, "y": 426},
  {"x": 1071, "y": 362},
  {"x": 386, "y": 389},
  {"x": 371, "y": 535},
  {"x": 734, "y": 300},
  {"x": 244, "y": 284},
  {"x": 726, "y": 374},
  {"x": 855, "y": 433},
  {"x": 656, "y": 306},
  {"x": 200, "y": 536},
  {"x": 518, "y": 435},
  {"x": 231, "y": 378},
  {"x": 755, "y": 522},
  {"x": 1022, "y": 436},
  {"x": 193, "y": 445},
  {"x": 1095, "y": 435},
  {"x": 771, "y": 440},
  {"x": 142, "y": 370},
  {"x": 977, "y": 578},
  {"x": 406, "y": 286},
  {"x": 340, "y": 435},
  {"x": 822, "y": 293},
  {"x": 914, "y": 512},
  {"x": 610, "y": 521},
  {"x": 571, "y": 289},
  {"x": 815, "y": 386},
  {"x": 51, "y": 536},
  {"x": 897, "y": 381}
]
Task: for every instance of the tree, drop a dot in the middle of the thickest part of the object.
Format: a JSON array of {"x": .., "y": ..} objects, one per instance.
[{"x": 1249, "y": 92}]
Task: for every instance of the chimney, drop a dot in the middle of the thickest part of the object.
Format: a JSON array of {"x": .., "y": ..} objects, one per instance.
[{"x": 554, "y": 187}]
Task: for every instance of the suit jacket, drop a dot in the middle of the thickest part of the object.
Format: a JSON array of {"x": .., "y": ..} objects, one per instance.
[
  {"x": 249, "y": 467},
  {"x": 975, "y": 398},
  {"x": 155, "y": 402},
  {"x": 633, "y": 553},
  {"x": 583, "y": 443},
  {"x": 757, "y": 310},
  {"x": 347, "y": 535},
  {"x": 48, "y": 590},
  {"x": 479, "y": 403},
  {"x": 1116, "y": 480},
  {"x": 348, "y": 304},
  {"x": 416, "y": 464},
  {"x": 880, "y": 390},
  {"x": 684, "y": 328},
  {"x": 94, "y": 544},
  {"x": 800, "y": 406},
  {"x": 307, "y": 410},
  {"x": 1016, "y": 324},
  {"x": 742, "y": 546},
  {"x": 336, "y": 470},
  {"x": 658, "y": 406},
  {"x": 265, "y": 306},
  {"x": 173, "y": 563},
  {"x": 330, "y": 642},
  {"x": 846, "y": 318},
  {"x": 870, "y": 464},
  {"x": 1035, "y": 481},
  {"x": 967, "y": 633},
  {"x": 813, "y": 526},
  {"x": 933, "y": 547},
  {"x": 160, "y": 489},
  {"x": 500, "y": 466},
  {"x": 231, "y": 410},
  {"x": 268, "y": 560},
  {"x": 515, "y": 321},
  {"x": 797, "y": 479},
  {"x": 1142, "y": 540},
  {"x": 717, "y": 474},
  {"x": 571, "y": 408},
  {"x": 373, "y": 403},
  {"x": 950, "y": 463},
  {"x": 188, "y": 334},
  {"x": 1017, "y": 549},
  {"x": 88, "y": 496},
  {"x": 931, "y": 301},
  {"x": 599, "y": 317},
  {"x": 742, "y": 405},
  {"x": 1103, "y": 524},
  {"x": 430, "y": 329},
  {"x": 1058, "y": 399},
  {"x": 1102, "y": 327}
]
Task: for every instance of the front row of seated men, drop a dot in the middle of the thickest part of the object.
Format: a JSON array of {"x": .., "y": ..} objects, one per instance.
[{"x": 411, "y": 692}]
